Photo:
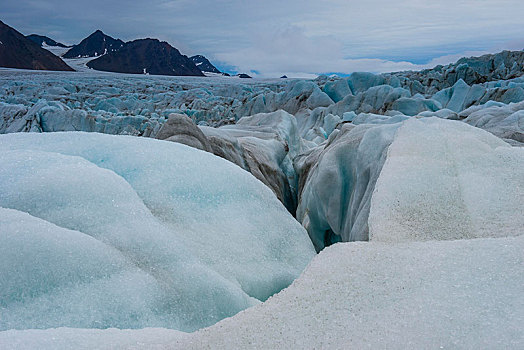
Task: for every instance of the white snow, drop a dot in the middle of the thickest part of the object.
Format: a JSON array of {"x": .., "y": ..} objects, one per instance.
[
  {"x": 441, "y": 179},
  {"x": 55, "y": 50},
  {"x": 88, "y": 339}
]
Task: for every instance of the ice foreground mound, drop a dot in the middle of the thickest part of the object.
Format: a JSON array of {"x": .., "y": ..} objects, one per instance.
[
  {"x": 190, "y": 238},
  {"x": 456, "y": 294},
  {"x": 464, "y": 294},
  {"x": 442, "y": 179}
]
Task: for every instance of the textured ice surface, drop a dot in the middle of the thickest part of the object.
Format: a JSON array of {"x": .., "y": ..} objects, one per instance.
[
  {"x": 443, "y": 180},
  {"x": 173, "y": 237},
  {"x": 459, "y": 294},
  {"x": 88, "y": 339},
  {"x": 335, "y": 198},
  {"x": 263, "y": 144},
  {"x": 505, "y": 121},
  {"x": 139, "y": 105},
  {"x": 446, "y": 180},
  {"x": 465, "y": 294},
  {"x": 52, "y": 276},
  {"x": 207, "y": 236}
]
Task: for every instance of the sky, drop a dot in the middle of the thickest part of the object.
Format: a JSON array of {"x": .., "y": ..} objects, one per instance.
[{"x": 295, "y": 37}]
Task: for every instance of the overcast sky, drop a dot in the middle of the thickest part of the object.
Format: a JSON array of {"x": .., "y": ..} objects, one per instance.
[{"x": 293, "y": 37}]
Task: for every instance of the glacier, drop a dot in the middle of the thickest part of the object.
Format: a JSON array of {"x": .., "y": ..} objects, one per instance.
[
  {"x": 432, "y": 294},
  {"x": 457, "y": 294},
  {"x": 135, "y": 222},
  {"x": 451, "y": 181},
  {"x": 446, "y": 178},
  {"x": 175, "y": 243}
]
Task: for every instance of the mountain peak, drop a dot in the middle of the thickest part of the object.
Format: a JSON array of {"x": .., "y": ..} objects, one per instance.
[
  {"x": 203, "y": 64},
  {"x": 96, "y": 44}
]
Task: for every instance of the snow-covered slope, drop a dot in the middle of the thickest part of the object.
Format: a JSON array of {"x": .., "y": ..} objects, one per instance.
[
  {"x": 204, "y": 65},
  {"x": 94, "y": 45}
]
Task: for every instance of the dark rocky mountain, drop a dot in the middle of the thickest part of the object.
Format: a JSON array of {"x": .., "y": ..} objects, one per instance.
[
  {"x": 243, "y": 76},
  {"x": 146, "y": 56},
  {"x": 17, "y": 51},
  {"x": 97, "y": 44},
  {"x": 203, "y": 64},
  {"x": 40, "y": 39}
]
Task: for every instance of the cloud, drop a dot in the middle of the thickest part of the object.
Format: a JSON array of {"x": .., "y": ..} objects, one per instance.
[
  {"x": 287, "y": 50},
  {"x": 289, "y": 37}
]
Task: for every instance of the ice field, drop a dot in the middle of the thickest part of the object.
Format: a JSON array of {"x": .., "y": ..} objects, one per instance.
[{"x": 184, "y": 212}]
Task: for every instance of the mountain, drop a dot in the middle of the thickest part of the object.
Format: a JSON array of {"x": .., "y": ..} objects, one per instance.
[
  {"x": 41, "y": 39},
  {"x": 149, "y": 56},
  {"x": 97, "y": 44},
  {"x": 17, "y": 51},
  {"x": 203, "y": 64}
]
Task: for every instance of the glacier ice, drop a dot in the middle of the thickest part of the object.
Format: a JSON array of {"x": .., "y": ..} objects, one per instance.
[
  {"x": 336, "y": 193},
  {"x": 448, "y": 181},
  {"x": 263, "y": 144},
  {"x": 130, "y": 232},
  {"x": 52, "y": 276},
  {"x": 180, "y": 128},
  {"x": 504, "y": 121},
  {"x": 337, "y": 90},
  {"x": 202, "y": 247},
  {"x": 443, "y": 179},
  {"x": 268, "y": 148},
  {"x": 459, "y": 294},
  {"x": 123, "y": 104}
]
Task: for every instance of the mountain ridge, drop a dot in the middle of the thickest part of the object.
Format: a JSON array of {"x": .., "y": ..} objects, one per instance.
[
  {"x": 96, "y": 44},
  {"x": 41, "y": 39},
  {"x": 17, "y": 51},
  {"x": 146, "y": 56}
]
